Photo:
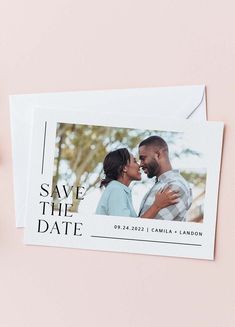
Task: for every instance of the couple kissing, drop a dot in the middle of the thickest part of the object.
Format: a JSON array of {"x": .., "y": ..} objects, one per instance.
[{"x": 169, "y": 198}]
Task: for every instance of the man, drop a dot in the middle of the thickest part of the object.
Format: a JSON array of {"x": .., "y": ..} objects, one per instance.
[{"x": 154, "y": 160}]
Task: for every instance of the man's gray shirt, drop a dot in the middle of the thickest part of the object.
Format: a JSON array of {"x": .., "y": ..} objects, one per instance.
[{"x": 176, "y": 182}]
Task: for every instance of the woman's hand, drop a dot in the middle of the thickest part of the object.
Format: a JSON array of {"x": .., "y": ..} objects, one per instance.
[
  {"x": 163, "y": 199},
  {"x": 166, "y": 197}
]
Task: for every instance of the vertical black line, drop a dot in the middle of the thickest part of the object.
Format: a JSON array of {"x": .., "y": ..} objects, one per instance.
[{"x": 44, "y": 145}]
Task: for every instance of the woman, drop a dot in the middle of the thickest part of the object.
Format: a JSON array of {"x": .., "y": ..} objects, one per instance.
[{"x": 121, "y": 168}]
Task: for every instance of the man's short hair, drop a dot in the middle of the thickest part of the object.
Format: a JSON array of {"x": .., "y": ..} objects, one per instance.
[{"x": 155, "y": 141}]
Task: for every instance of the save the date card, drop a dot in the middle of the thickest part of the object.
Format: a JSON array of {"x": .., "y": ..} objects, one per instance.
[{"x": 122, "y": 182}]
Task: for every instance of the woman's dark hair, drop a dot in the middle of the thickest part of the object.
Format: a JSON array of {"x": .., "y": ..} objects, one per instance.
[{"x": 113, "y": 165}]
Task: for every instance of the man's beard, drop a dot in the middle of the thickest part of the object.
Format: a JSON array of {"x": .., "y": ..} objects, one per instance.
[{"x": 152, "y": 169}]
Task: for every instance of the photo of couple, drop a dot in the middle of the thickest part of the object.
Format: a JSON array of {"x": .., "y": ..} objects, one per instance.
[
  {"x": 169, "y": 198},
  {"x": 159, "y": 175}
]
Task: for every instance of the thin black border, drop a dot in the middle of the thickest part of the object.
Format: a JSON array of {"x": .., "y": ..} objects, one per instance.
[
  {"x": 136, "y": 239},
  {"x": 44, "y": 145}
]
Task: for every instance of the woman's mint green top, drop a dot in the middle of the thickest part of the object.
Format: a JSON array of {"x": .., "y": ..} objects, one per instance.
[{"x": 116, "y": 200}]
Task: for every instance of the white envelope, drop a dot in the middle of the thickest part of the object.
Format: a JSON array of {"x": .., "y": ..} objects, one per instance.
[{"x": 173, "y": 102}]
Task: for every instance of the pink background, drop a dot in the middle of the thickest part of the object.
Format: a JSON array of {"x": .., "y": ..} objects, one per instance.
[{"x": 67, "y": 45}]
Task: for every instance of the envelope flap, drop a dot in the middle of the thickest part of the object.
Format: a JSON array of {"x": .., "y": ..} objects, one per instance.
[
  {"x": 194, "y": 101},
  {"x": 175, "y": 102}
]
